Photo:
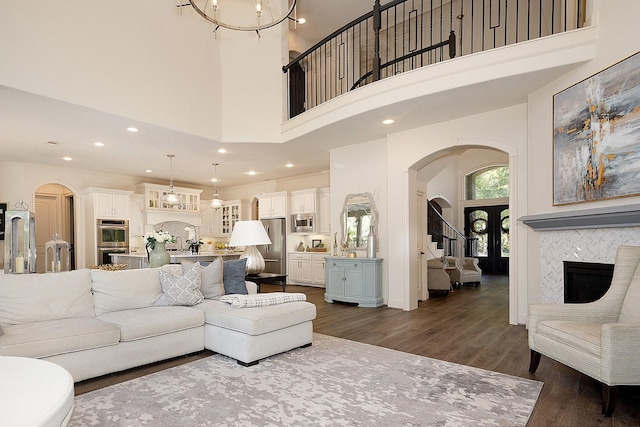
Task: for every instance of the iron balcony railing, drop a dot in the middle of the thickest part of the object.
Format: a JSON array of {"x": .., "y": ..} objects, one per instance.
[{"x": 407, "y": 34}]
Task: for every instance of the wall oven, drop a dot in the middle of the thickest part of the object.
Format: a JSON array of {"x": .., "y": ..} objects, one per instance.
[
  {"x": 112, "y": 238},
  {"x": 113, "y": 233}
]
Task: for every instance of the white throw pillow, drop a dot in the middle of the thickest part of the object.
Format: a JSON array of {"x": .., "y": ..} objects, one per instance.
[
  {"x": 211, "y": 278},
  {"x": 181, "y": 290}
]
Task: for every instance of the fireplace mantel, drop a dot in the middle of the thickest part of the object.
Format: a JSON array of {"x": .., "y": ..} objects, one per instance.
[{"x": 613, "y": 216}]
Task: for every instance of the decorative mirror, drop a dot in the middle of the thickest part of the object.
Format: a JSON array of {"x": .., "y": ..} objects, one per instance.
[{"x": 359, "y": 213}]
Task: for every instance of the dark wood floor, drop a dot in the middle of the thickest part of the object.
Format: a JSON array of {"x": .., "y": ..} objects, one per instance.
[{"x": 470, "y": 326}]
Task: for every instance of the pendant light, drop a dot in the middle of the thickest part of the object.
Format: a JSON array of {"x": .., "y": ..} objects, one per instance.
[
  {"x": 171, "y": 198},
  {"x": 216, "y": 202}
]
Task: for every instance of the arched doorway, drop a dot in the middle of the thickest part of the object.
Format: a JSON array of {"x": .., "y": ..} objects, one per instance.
[{"x": 55, "y": 214}]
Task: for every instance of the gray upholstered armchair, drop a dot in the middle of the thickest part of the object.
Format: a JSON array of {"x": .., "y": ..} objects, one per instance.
[
  {"x": 466, "y": 270},
  {"x": 437, "y": 277},
  {"x": 600, "y": 339}
]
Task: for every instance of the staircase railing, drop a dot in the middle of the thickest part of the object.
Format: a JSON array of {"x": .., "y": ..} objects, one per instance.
[
  {"x": 403, "y": 35},
  {"x": 454, "y": 242}
]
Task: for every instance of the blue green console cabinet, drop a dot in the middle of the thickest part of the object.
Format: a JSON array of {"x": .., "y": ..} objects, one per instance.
[{"x": 355, "y": 280}]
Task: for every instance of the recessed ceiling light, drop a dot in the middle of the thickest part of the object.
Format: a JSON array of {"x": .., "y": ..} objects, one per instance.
[
  {"x": 98, "y": 144},
  {"x": 132, "y": 129},
  {"x": 67, "y": 158},
  {"x": 289, "y": 165},
  {"x": 148, "y": 171},
  {"x": 251, "y": 173},
  {"x": 222, "y": 151},
  {"x": 387, "y": 121}
]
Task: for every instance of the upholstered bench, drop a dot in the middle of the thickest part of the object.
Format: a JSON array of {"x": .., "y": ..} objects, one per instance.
[{"x": 251, "y": 334}]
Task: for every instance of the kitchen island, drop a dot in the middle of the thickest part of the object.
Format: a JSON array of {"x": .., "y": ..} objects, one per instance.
[{"x": 136, "y": 260}]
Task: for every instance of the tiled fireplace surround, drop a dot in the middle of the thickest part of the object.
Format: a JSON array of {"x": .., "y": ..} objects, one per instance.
[{"x": 588, "y": 236}]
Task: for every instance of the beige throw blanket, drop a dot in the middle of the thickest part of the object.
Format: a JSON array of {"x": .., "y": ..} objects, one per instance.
[{"x": 261, "y": 300}]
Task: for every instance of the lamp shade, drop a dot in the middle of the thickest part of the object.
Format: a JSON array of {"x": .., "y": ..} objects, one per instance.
[{"x": 247, "y": 233}]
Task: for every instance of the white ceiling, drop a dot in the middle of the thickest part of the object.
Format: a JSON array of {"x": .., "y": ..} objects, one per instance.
[{"x": 29, "y": 122}]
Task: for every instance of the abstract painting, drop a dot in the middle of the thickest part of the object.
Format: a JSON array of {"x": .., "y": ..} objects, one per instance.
[{"x": 596, "y": 136}]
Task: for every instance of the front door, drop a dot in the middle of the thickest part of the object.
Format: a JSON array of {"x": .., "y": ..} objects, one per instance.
[{"x": 489, "y": 226}]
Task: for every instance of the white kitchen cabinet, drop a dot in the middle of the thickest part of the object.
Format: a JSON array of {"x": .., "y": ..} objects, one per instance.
[
  {"x": 318, "y": 265},
  {"x": 303, "y": 201},
  {"x": 323, "y": 217},
  {"x": 210, "y": 220},
  {"x": 300, "y": 271},
  {"x": 230, "y": 213},
  {"x": 111, "y": 203},
  {"x": 306, "y": 268},
  {"x": 357, "y": 280},
  {"x": 272, "y": 205},
  {"x": 153, "y": 193},
  {"x": 136, "y": 215}
]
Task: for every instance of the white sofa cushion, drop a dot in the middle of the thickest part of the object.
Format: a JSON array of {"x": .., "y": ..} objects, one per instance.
[
  {"x": 127, "y": 289},
  {"x": 44, "y": 339},
  {"x": 153, "y": 321},
  {"x": 257, "y": 320},
  {"x": 27, "y": 298}
]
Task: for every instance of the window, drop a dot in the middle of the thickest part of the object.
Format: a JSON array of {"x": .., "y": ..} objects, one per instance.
[{"x": 489, "y": 183}]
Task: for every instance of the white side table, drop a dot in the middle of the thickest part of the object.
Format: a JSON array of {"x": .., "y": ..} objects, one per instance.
[{"x": 34, "y": 392}]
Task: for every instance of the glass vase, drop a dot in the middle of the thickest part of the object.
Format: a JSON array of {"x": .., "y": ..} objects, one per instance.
[{"x": 159, "y": 255}]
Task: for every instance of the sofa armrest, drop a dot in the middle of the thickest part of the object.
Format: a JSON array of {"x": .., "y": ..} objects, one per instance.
[
  {"x": 252, "y": 288},
  {"x": 620, "y": 349}
]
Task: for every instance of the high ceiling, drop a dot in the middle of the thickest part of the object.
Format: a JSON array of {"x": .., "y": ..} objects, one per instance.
[{"x": 40, "y": 130}]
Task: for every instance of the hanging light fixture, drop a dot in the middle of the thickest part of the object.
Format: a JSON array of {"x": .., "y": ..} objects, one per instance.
[
  {"x": 212, "y": 11},
  {"x": 216, "y": 202},
  {"x": 171, "y": 198}
]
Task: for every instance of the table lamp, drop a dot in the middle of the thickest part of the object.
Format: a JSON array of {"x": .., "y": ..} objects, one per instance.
[{"x": 249, "y": 234}]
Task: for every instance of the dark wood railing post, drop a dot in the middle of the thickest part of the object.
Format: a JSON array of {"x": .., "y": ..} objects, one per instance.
[
  {"x": 452, "y": 44},
  {"x": 377, "y": 25}
]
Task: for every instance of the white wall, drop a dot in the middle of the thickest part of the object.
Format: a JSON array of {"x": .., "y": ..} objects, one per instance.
[
  {"x": 362, "y": 168},
  {"x": 149, "y": 61},
  {"x": 617, "y": 39},
  {"x": 503, "y": 129}
]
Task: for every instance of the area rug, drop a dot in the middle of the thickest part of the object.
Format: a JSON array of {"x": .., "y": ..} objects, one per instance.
[{"x": 335, "y": 382}]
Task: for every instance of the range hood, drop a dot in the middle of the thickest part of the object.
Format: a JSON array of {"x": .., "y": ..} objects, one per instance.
[{"x": 153, "y": 217}]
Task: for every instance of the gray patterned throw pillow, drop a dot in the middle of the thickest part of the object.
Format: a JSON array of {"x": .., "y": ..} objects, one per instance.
[{"x": 181, "y": 290}]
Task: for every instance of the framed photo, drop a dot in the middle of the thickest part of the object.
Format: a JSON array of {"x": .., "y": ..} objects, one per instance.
[
  {"x": 315, "y": 243},
  {"x": 596, "y": 136}
]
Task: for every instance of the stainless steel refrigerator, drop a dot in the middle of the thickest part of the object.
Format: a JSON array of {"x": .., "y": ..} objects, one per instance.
[{"x": 275, "y": 254}]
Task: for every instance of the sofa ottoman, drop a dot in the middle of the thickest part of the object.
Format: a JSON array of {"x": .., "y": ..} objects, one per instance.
[{"x": 251, "y": 334}]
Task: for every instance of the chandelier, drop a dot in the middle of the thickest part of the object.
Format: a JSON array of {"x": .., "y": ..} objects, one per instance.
[
  {"x": 171, "y": 198},
  {"x": 236, "y": 14},
  {"x": 216, "y": 202}
]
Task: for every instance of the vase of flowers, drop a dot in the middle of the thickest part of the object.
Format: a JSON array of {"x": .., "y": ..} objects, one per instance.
[
  {"x": 156, "y": 251},
  {"x": 194, "y": 245}
]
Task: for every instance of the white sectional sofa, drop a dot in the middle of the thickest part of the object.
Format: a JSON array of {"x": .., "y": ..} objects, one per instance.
[{"x": 94, "y": 322}]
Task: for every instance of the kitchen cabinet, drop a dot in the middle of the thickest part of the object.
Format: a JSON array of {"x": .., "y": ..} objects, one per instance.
[
  {"x": 300, "y": 271},
  {"x": 230, "y": 213},
  {"x": 210, "y": 220},
  {"x": 153, "y": 193},
  {"x": 272, "y": 205},
  {"x": 136, "y": 215},
  {"x": 306, "y": 268},
  {"x": 323, "y": 217},
  {"x": 357, "y": 280},
  {"x": 318, "y": 266},
  {"x": 110, "y": 203},
  {"x": 303, "y": 201}
]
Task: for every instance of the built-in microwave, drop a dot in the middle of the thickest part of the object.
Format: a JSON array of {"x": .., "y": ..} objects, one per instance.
[{"x": 303, "y": 223}]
